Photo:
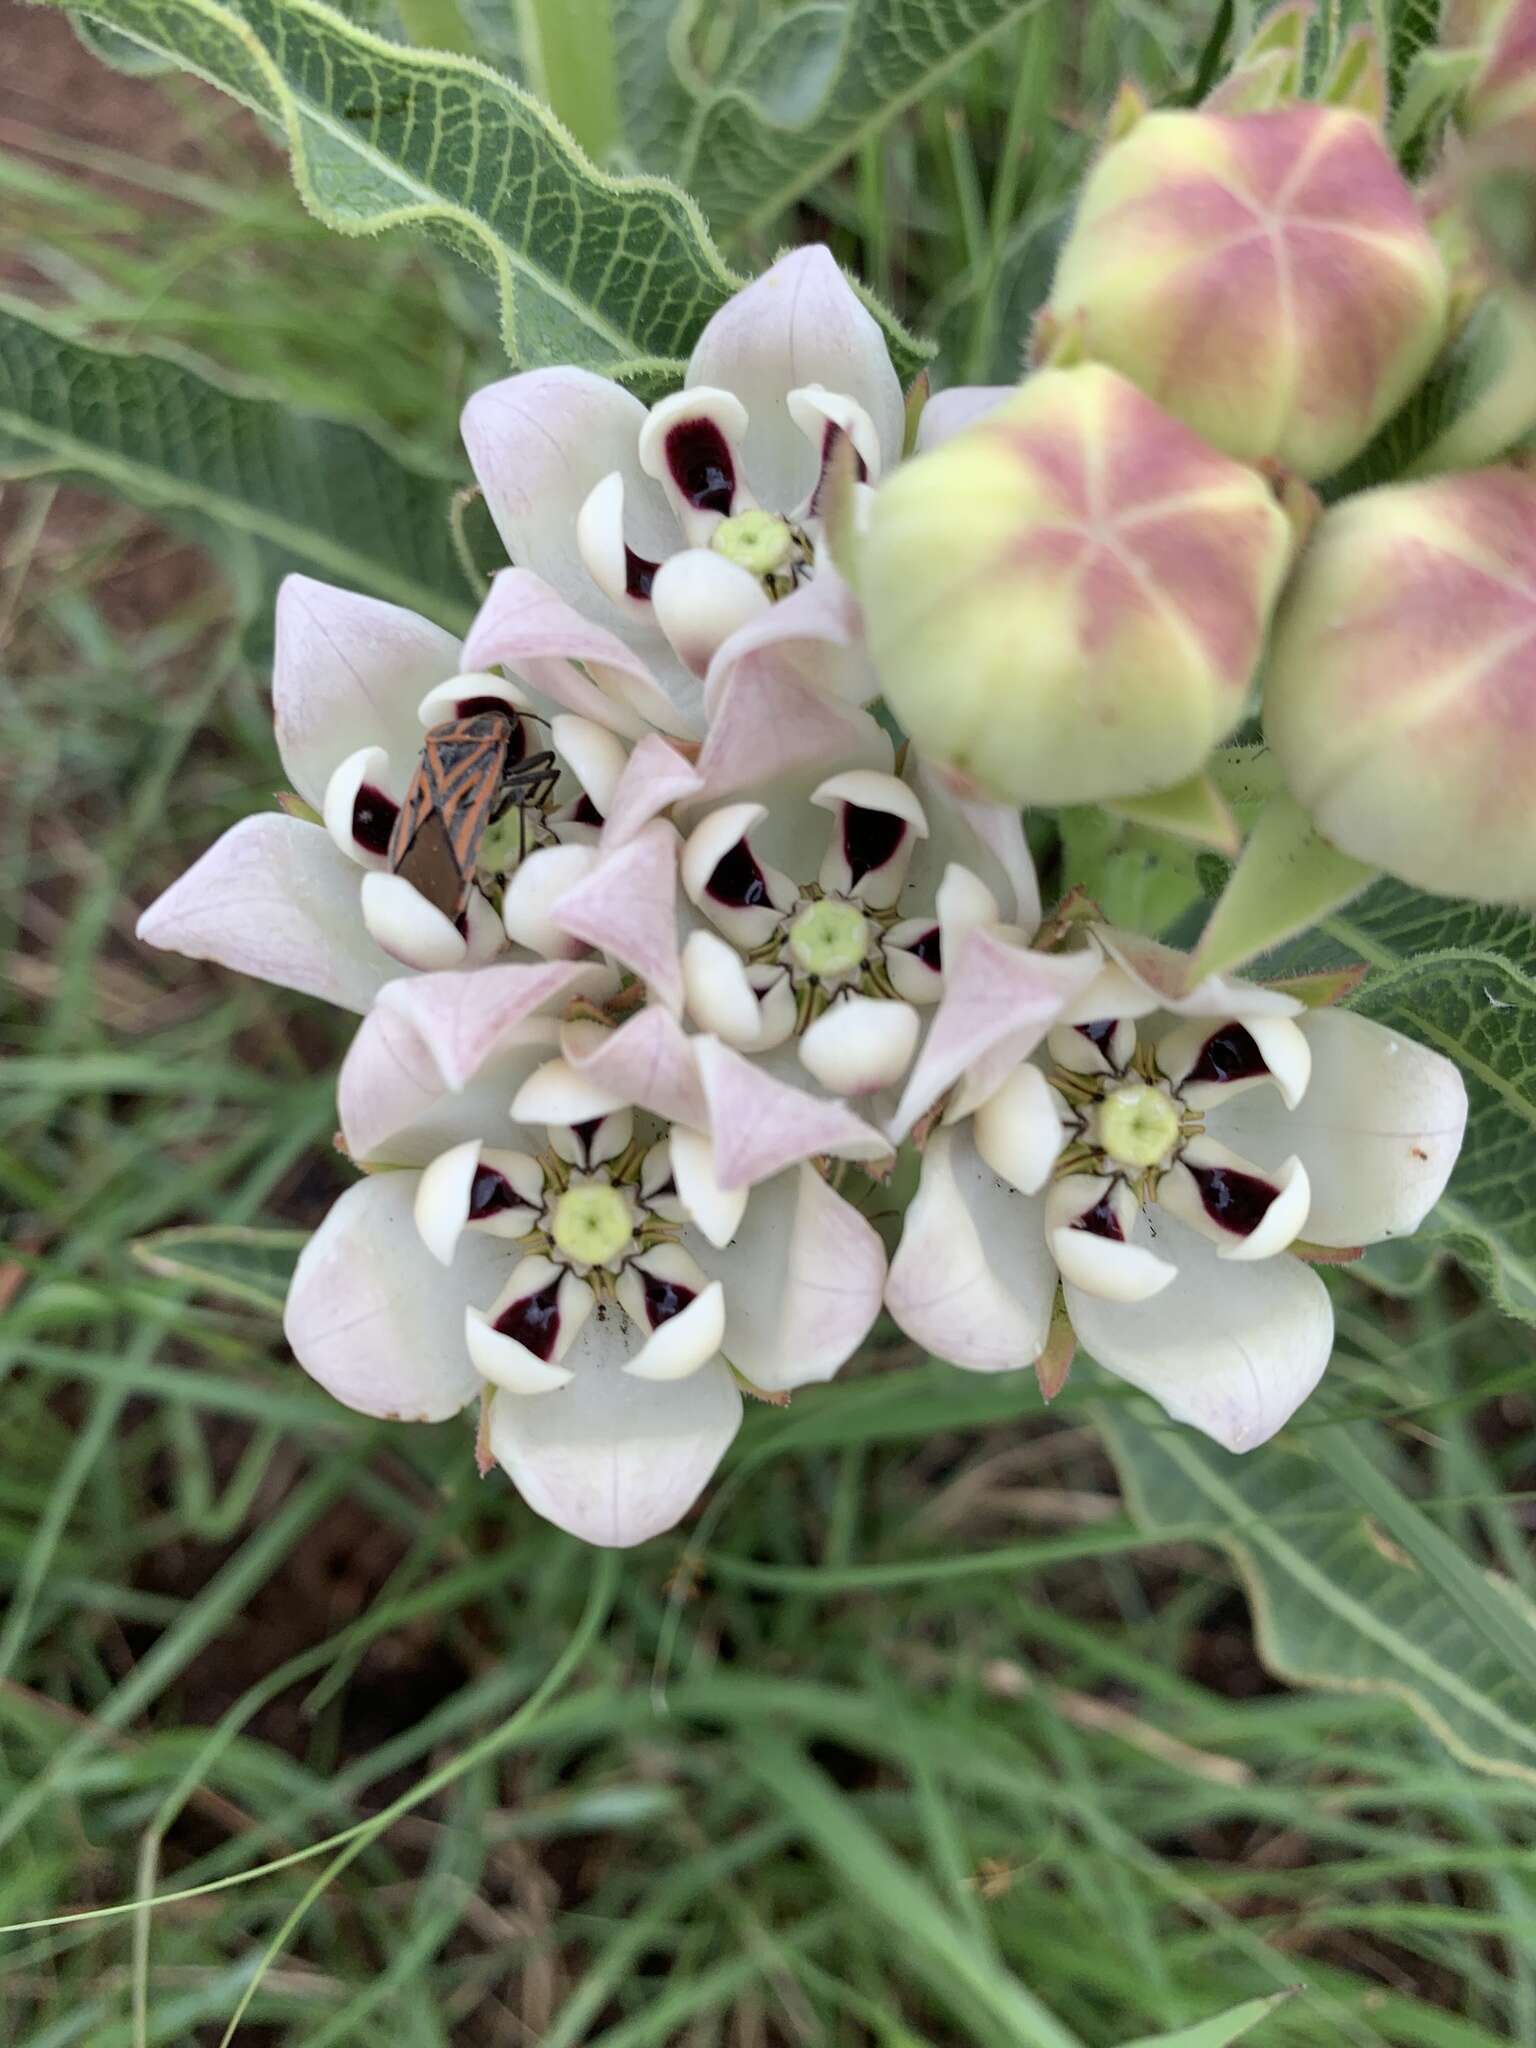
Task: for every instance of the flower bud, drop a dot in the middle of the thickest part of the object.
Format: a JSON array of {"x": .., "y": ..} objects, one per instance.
[
  {"x": 1502, "y": 98},
  {"x": 1400, "y": 695},
  {"x": 1267, "y": 277},
  {"x": 1065, "y": 601}
]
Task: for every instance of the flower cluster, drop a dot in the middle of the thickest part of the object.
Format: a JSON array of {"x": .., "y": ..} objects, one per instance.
[{"x": 665, "y": 947}]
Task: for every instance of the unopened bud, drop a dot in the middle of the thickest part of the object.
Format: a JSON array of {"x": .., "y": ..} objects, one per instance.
[
  {"x": 1267, "y": 277},
  {"x": 1502, "y": 98},
  {"x": 1400, "y": 693},
  {"x": 1066, "y": 601}
]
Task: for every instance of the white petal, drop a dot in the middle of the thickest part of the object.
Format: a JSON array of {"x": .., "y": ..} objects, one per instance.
[
  {"x": 1233, "y": 1350},
  {"x": 1162, "y": 972},
  {"x": 539, "y": 442},
  {"x": 348, "y": 672},
  {"x": 800, "y": 323},
  {"x": 1378, "y": 1130},
  {"x": 1019, "y": 1130},
  {"x": 504, "y": 1362},
  {"x": 612, "y": 1459},
  {"x": 409, "y": 928},
  {"x": 603, "y": 546},
  {"x": 595, "y": 756},
  {"x": 368, "y": 767},
  {"x": 1280, "y": 1044},
  {"x": 916, "y": 977},
  {"x": 810, "y": 645},
  {"x": 720, "y": 997},
  {"x": 972, "y": 1280},
  {"x": 1095, "y": 1260},
  {"x": 986, "y": 838},
  {"x": 802, "y": 1278},
  {"x": 823, "y": 415},
  {"x": 557, "y": 1093},
  {"x": 1283, "y": 1220},
  {"x": 449, "y": 700},
  {"x": 442, "y": 1199},
  {"x": 1100, "y": 1045},
  {"x": 374, "y": 1318},
  {"x": 532, "y": 892},
  {"x": 860, "y": 1044},
  {"x": 716, "y": 1210},
  {"x": 964, "y": 904},
  {"x": 685, "y": 1341},
  {"x": 700, "y": 599},
  {"x": 276, "y": 899}
]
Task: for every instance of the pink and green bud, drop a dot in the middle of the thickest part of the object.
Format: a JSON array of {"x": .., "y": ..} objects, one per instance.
[
  {"x": 1400, "y": 695},
  {"x": 1265, "y": 276},
  {"x": 1502, "y": 98},
  {"x": 1066, "y": 601}
]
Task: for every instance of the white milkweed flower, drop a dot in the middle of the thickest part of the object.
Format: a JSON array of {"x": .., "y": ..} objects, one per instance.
[
  {"x": 546, "y": 1225},
  {"x": 685, "y": 541},
  {"x": 1155, "y": 1157},
  {"x": 312, "y": 902}
]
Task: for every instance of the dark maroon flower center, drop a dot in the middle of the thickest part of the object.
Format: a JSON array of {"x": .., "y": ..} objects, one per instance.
[
  {"x": 929, "y": 949},
  {"x": 639, "y": 574},
  {"x": 870, "y": 839},
  {"x": 1237, "y": 1201},
  {"x": 490, "y": 1193},
  {"x": 1101, "y": 1220},
  {"x": 664, "y": 1299},
  {"x": 534, "y": 1321},
  {"x": 701, "y": 465},
  {"x": 1101, "y": 1032},
  {"x": 738, "y": 880},
  {"x": 373, "y": 818},
  {"x": 1228, "y": 1055}
]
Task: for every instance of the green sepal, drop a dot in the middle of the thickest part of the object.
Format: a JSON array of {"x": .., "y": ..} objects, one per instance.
[{"x": 1288, "y": 877}]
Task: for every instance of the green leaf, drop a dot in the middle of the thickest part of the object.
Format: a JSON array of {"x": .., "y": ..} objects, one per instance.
[
  {"x": 1287, "y": 876},
  {"x": 1336, "y": 1603},
  {"x": 615, "y": 274},
  {"x": 1461, "y": 978},
  {"x": 1218, "y": 2031},
  {"x": 270, "y": 487},
  {"x": 749, "y": 106},
  {"x": 235, "y": 1260}
]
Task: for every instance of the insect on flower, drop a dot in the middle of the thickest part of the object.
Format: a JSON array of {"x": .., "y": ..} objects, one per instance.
[{"x": 471, "y": 773}]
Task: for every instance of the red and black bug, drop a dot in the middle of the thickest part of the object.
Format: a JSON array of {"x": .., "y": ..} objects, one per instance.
[{"x": 472, "y": 770}]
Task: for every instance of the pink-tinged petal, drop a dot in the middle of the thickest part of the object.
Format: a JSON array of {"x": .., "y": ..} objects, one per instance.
[
  {"x": 761, "y": 1125},
  {"x": 999, "y": 1001},
  {"x": 1233, "y": 1350},
  {"x": 609, "y": 1458},
  {"x": 372, "y": 1315},
  {"x": 440, "y": 1060},
  {"x": 802, "y": 1277},
  {"x": 529, "y": 627},
  {"x": 767, "y": 727},
  {"x": 627, "y": 907},
  {"x": 349, "y": 672},
  {"x": 812, "y": 640},
  {"x": 275, "y": 898},
  {"x": 972, "y": 1280},
  {"x": 800, "y": 323},
  {"x": 1378, "y": 1130},
  {"x": 1164, "y": 973},
  {"x": 648, "y": 1061},
  {"x": 539, "y": 444},
  {"x": 656, "y": 777},
  {"x": 949, "y": 413}
]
